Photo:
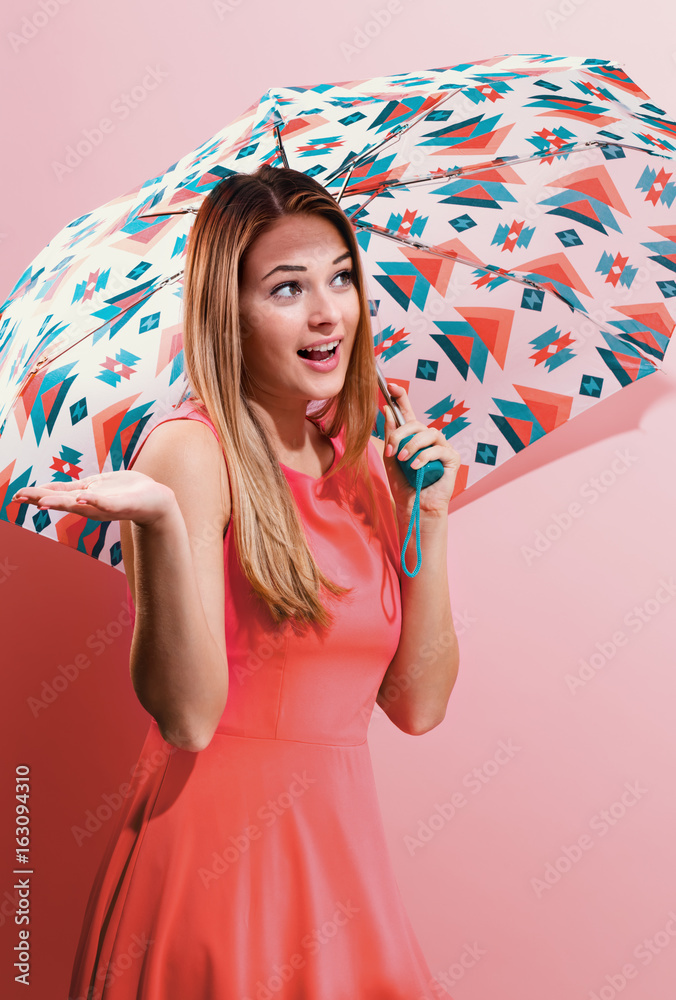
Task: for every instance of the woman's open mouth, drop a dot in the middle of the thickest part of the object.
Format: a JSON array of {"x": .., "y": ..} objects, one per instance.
[{"x": 321, "y": 361}]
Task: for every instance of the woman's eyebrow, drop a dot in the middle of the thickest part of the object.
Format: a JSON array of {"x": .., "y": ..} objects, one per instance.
[{"x": 300, "y": 267}]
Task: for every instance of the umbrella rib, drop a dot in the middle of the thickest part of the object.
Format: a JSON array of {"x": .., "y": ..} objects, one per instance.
[
  {"x": 347, "y": 177},
  {"x": 393, "y": 135},
  {"x": 280, "y": 146},
  {"x": 177, "y": 211},
  {"x": 501, "y": 161},
  {"x": 510, "y": 275},
  {"x": 452, "y": 255},
  {"x": 478, "y": 168},
  {"x": 45, "y": 360},
  {"x": 238, "y": 145}
]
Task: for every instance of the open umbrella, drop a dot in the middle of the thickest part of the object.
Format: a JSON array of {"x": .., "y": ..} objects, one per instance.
[{"x": 514, "y": 217}]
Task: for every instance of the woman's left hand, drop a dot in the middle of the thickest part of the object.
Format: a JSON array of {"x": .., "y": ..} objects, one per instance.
[{"x": 434, "y": 499}]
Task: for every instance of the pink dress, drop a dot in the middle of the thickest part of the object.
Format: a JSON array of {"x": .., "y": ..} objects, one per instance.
[{"x": 257, "y": 869}]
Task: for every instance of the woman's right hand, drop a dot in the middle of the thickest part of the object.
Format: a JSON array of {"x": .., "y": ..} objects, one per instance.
[{"x": 109, "y": 496}]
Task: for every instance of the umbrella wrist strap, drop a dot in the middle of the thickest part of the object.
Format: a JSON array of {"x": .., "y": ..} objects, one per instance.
[{"x": 415, "y": 518}]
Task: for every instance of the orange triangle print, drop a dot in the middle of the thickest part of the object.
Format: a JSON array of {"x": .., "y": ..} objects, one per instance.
[
  {"x": 477, "y": 192},
  {"x": 668, "y": 232},
  {"x": 405, "y": 282},
  {"x": 559, "y": 268},
  {"x": 493, "y": 327},
  {"x": 653, "y": 315},
  {"x": 48, "y": 398},
  {"x": 464, "y": 345},
  {"x": 522, "y": 428},
  {"x": 583, "y": 207},
  {"x": 630, "y": 363},
  {"x": 436, "y": 270},
  {"x": 428, "y": 266},
  {"x": 489, "y": 142},
  {"x": 126, "y": 435},
  {"x": 106, "y": 424},
  {"x": 596, "y": 183},
  {"x": 550, "y": 409}
]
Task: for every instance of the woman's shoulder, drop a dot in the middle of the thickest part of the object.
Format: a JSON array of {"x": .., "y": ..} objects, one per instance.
[
  {"x": 173, "y": 423},
  {"x": 193, "y": 409}
]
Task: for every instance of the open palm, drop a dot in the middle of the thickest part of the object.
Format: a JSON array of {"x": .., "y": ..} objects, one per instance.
[{"x": 108, "y": 496}]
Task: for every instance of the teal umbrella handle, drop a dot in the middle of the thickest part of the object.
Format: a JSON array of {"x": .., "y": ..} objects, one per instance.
[
  {"x": 431, "y": 470},
  {"x": 419, "y": 478}
]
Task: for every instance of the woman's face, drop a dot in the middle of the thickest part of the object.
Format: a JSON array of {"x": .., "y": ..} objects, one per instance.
[{"x": 296, "y": 291}]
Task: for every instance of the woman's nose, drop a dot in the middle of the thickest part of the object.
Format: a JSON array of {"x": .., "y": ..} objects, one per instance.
[{"x": 324, "y": 308}]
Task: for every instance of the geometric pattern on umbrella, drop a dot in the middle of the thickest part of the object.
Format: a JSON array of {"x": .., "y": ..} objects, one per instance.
[{"x": 517, "y": 234}]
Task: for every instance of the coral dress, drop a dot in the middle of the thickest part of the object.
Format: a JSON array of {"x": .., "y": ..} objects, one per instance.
[{"x": 257, "y": 868}]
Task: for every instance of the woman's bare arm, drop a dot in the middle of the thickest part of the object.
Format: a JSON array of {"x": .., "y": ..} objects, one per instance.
[
  {"x": 412, "y": 694},
  {"x": 178, "y": 661}
]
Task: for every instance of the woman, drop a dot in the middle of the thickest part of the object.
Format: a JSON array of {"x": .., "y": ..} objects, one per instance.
[{"x": 270, "y": 612}]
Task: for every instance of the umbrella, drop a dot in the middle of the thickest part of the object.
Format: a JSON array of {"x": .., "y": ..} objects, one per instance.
[{"x": 514, "y": 221}]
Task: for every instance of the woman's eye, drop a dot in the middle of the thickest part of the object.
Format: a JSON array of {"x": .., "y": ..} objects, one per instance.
[
  {"x": 348, "y": 273},
  {"x": 276, "y": 292}
]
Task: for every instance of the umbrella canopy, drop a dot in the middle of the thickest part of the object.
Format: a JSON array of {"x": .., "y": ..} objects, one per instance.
[{"x": 514, "y": 221}]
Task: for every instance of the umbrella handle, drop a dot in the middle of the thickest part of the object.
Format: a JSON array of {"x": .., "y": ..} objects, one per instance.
[
  {"x": 419, "y": 478},
  {"x": 432, "y": 470},
  {"x": 415, "y": 518}
]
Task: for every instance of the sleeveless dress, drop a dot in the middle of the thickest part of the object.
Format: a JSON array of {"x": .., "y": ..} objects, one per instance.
[{"x": 257, "y": 868}]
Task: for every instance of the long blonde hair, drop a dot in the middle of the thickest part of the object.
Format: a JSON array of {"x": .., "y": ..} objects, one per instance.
[{"x": 271, "y": 544}]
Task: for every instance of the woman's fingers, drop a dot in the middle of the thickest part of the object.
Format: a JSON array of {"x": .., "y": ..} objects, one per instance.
[
  {"x": 63, "y": 500},
  {"x": 84, "y": 503},
  {"x": 33, "y": 494},
  {"x": 63, "y": 496},
  {"x": 109, "y": 496},
  {"x": 421, "y": 439},
  {"x": 28, "y": 495},
  {"x": 396, "y": 433},
  {"x": 400, "y": 397}
]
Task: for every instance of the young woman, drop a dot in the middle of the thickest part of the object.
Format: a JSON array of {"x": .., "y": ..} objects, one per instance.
[{"x": 262, "y": 550}]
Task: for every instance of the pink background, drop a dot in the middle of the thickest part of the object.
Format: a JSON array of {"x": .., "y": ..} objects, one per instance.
[{"x": 524, "y": 625}]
